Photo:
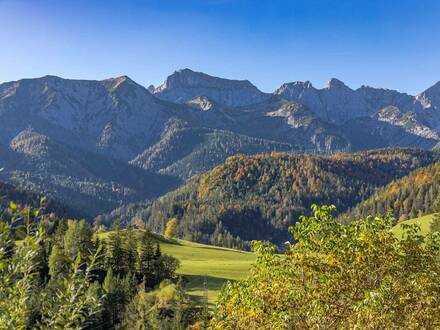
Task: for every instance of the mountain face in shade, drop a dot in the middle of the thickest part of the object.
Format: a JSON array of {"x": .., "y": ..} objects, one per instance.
[
  {"x": 98, "y": 144},
  {"x": 185, "y": 85}
]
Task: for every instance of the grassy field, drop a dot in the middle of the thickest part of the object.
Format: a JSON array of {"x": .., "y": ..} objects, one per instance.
[
  {"x": 200, "y": 263},
  {"x": 424, "y": 222},
  {"x": 216, "y": 265}
]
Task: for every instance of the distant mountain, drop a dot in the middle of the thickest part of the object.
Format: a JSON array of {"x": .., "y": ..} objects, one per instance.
[
  {"x": 98, "y": 144},
  {"x": 185, "y": 85},
  {"x": 338, "y": 103},
  {"x": 259, "y": 197}
]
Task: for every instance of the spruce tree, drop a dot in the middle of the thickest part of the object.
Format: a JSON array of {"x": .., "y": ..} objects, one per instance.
[
  {"x": 146, "y": 260},
  {"x": 115, "y": 256}
]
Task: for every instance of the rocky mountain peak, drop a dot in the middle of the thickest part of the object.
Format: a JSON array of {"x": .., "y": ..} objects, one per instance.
[
  {"x": 151, "y": 89},
  {"x": 185, "y": 85},
  {"x": 430, "y": 99},
  {"x": 334, "y": 83}
]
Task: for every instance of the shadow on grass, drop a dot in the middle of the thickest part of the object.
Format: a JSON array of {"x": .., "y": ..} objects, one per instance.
[
  {"x": 199, "y": 285},
  {"x": 197, "y": 282}
]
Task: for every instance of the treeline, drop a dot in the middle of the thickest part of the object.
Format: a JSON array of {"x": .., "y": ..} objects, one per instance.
[
  {"x": 259, "y": 197},
  {"x": 61, "y": 274},
  {"x": 409, "y": 197}
]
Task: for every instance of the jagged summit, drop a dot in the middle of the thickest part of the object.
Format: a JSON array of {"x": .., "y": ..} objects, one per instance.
[
  {"x": 186, "y": 84},
  {"x": 335, "y": 83},
  {"x": 430, "y": 99}
]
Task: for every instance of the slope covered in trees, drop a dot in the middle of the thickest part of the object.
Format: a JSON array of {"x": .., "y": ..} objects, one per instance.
[
  {"x": 408, "y": 197},
  {"x": 10, "y": 193},
  {"x": 258, "y": 197}
]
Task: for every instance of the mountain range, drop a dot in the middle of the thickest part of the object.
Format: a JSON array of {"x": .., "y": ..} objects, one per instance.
[{"x": 96, "y": 145}]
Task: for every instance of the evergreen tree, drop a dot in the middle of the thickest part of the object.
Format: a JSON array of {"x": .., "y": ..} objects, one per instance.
[
  {"x": 130, "y": 247},
  {"x": 146, "y": 260},
  {"x": 115, "y": 255},
  {"x": 78, "y": 239}
]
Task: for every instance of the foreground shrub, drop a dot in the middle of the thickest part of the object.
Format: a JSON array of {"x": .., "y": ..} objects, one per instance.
[{"x": 339, "y": 276}]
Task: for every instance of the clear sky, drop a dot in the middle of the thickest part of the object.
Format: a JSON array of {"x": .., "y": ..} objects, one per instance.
[{"x": 382, "y": 43}]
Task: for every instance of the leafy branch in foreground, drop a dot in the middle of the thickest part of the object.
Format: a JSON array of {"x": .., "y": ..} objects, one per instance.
[
  {"x": 24, "y": 301},
  {"x": 339, "y": 276},
  {"x": 74, "y": 302}
]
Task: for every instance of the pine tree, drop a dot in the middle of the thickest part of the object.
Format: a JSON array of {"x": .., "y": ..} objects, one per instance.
[
  {"x": 130, "y": 247},
  {"x": 78, "y": 239},
  {"x": 115, "y": 256},
  {"x": 146, "y": 264}
]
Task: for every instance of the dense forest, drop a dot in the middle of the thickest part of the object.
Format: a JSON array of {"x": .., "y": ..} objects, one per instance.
[
  {"x": 10, "y": 193},
  {"x": 57, "y": 274},
  {"x": 259, "y": 197},
  {"x": 409, "y": 197}
]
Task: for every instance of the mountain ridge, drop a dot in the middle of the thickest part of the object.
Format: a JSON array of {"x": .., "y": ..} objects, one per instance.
[{"x": 187, "y": 126}]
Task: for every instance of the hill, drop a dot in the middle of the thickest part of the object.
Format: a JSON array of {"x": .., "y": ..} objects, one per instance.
[
  {"x": 259, "y": 197},
  {"x": 408, "y": 197}
]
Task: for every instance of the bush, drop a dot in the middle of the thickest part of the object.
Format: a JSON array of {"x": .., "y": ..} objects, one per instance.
[{"x": 339, "y": 276}]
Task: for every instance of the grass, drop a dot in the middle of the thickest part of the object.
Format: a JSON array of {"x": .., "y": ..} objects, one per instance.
[
  {"x": 424, "y": 222},
  {"x": 200, "y": 263}
]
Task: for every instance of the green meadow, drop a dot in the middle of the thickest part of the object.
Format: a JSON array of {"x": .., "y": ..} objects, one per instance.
[
  {"x": 424, "y": 222},
  {"x": 205, "y": 268}
]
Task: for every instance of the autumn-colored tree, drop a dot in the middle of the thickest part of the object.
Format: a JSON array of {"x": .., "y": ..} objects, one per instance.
[
  {"x": 339, "y": 276},
  {"x": 171, "y": 229}
]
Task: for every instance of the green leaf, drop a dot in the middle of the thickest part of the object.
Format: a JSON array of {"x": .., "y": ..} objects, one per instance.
[{"x": 12, "y": 206}]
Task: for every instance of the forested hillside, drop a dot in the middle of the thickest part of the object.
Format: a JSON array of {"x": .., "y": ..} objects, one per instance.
[
  {"x": 259, "y": 197},
  {"x": 409, "y": 197},
  {"x": 10, "y": 193}
]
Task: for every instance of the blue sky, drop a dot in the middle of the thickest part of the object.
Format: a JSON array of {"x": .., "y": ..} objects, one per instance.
[{"x": 382, "y": 43}]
